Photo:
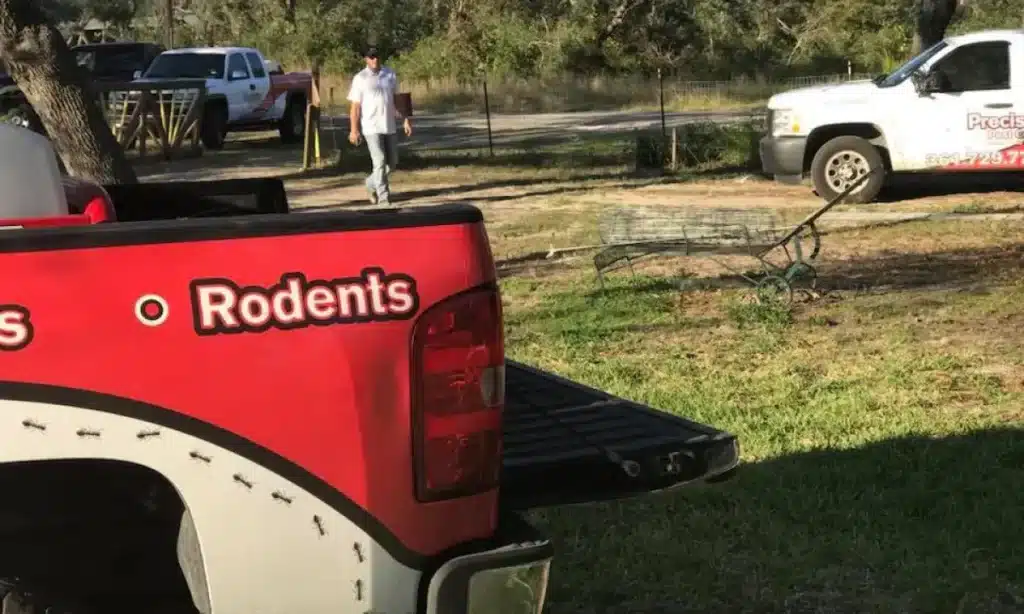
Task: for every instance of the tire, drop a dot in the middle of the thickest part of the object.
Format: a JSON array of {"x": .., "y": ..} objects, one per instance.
[
  {"x": 215, "y": 126},
  {"x": 292, "y": 126},
  {"x": 25, "y": 116},
  {"x": 843, "y": 160}
]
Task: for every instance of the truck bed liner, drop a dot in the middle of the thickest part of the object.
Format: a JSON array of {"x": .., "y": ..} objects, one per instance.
[{"x": 568, "y": 443}]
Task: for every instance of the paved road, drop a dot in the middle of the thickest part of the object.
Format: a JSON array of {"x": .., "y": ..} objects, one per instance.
[{"x": 470, "y": 131}]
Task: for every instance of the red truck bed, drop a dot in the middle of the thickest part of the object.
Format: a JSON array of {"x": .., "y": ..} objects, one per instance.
[
  {"x": 564, "y": 442},
  {"x": 337, "y": 438}
]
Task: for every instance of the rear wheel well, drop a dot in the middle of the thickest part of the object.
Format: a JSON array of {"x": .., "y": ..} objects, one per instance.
[
  {"x": 95, "y": 532},
  {"x": 824, "y": 134}
]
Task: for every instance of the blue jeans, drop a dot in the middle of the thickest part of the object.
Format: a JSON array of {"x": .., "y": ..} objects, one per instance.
[{"x": 384, "y": 155}]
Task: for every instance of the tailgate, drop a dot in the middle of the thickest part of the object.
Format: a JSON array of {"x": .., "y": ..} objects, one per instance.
[{"x": 568, "y": 443}]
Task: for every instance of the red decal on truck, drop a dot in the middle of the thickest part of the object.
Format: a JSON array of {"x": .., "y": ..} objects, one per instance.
[
  {"x": 16, "y": 330},
  {"x": 220, "y": 306}
]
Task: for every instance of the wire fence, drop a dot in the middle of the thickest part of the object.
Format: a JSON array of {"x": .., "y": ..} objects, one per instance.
[
  {"x": 697, "y": 122},
  {"x": 582, "y": 94}
]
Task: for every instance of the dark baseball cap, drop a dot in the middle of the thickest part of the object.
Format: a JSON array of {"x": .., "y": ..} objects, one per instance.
[{"x": 371, "y": 52}]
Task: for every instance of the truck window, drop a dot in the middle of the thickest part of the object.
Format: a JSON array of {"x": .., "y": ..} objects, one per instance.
[
  {"x": 256, "y": 64},
  {"x": 977, "y": 67},
  {"x": 113, "y": 61},
  {"x": 187, "y": 66},
  {"x": 237, "y": 62}
]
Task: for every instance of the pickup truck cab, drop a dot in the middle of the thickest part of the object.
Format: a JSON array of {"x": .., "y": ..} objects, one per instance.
[
  {"x": 958, "y": 106},
  {"x": 242, "y": 91},
  {"x": 212, "y": 404}
]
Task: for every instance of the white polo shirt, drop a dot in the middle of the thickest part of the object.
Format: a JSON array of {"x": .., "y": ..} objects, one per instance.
[{"x": 375, "y": 94}]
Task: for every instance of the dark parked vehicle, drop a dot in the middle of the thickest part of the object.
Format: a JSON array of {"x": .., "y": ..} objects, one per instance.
[{"x": 105, "y": 62}]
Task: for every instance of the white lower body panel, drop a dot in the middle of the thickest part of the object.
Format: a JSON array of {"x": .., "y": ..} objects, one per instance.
[{"x": 267, "y": 545}]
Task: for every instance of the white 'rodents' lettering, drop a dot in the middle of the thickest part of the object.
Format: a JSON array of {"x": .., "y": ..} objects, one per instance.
[
  {"x": 16, "y": 330},
  {"x": 220, "y": 306}
]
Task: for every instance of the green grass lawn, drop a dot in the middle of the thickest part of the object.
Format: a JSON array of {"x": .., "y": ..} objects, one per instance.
[{"x": 880, "y": 436}]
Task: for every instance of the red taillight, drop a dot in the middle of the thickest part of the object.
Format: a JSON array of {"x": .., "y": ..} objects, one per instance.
[
  {"x": 99, "y": 209},
  {"x": 458, "y": 396}
]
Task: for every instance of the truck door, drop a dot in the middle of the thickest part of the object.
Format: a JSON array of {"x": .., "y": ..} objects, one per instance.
[
  {"x": 971, "y": 122},
  {"x": 241, "y": 90},
  {"x": 263, "y": 103}
]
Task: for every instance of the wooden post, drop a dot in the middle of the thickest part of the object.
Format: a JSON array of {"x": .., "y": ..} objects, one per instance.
[
  {"x": 311, "y": 145},
  {"x": 661, "y": 101}
]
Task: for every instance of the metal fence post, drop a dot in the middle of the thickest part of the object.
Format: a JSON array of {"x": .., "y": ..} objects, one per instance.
[
  {"x": 487, "y": 111},
  {"x": 661, "y": 101}
]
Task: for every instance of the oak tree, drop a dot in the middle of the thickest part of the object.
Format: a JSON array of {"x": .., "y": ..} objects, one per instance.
[{"x": 59, "y": 91}]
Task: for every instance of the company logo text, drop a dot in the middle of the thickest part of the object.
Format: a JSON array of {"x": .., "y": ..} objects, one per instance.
[
  {"x": 1005, "y": 126},
  {"x": 220, "y": 306},
  {"x": 16, "y": 330}
]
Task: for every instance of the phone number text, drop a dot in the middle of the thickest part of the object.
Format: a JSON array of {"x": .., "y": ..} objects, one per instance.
[{"x": 989, "y": 158}]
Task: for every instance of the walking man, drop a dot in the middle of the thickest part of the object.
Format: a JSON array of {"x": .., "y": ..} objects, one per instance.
[{"x": 374, "y": 117}]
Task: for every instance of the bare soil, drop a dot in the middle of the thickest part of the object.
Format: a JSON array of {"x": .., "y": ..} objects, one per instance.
[{"x": 493, "y": 189}]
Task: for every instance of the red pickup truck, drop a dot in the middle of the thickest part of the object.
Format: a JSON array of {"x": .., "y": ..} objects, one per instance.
[{"x": 211, "y": 404}]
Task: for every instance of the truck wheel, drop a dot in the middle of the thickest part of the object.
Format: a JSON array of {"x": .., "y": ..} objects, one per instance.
[
  {"x": 293, "y": 124},
  {"x": 215, "y": 126},
  {"x": 843, "y": 160},
  {"x": 25, "y": 116}
]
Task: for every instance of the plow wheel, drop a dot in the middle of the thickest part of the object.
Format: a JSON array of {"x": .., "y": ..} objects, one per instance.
[
  {"x": 774, "y": 289},
  {"x": 803, "y": 273}
]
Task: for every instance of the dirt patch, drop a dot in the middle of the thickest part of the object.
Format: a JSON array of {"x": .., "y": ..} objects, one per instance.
[{"x": 515, "y": 195}]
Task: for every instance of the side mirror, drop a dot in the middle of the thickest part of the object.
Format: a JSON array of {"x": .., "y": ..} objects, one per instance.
[
  {"x": 237, "y": 75},
  {"x": 928, "y": 83},
  {"x": 936, "y": 81},
  {"x": 136, "y": 74}
]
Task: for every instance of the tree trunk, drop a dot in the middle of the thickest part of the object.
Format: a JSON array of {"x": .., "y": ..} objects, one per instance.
[
  {"x": 289, "y": 11},
  {"x": 933, "y": 18},
  {"x": 39, "y": 60}
]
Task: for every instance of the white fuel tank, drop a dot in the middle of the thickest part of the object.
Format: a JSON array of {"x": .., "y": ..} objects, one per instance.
[{"x": 30, "y": 179}]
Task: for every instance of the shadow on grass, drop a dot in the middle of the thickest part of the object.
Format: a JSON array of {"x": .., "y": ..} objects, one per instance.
[
  {"x": 252, "y": 154},
  {"x": 918, "y": 186},
  {"x": 947, "y": 269},
  {"x": 549, "y": 147},
  {"x": 912, "y": 524},
  {"x": 410, "y": 196},
  {"x": 951, "y": 269},
  {"x": 581, "y": 143}
]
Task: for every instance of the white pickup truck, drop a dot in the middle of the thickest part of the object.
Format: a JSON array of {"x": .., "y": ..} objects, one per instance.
[
  {"x": 244, "y": 91},
  {"x": 952, "y": 108}
]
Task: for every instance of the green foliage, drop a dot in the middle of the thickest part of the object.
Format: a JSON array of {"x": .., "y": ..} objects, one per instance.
[
  {"x": 458, "y": 40},
  {"x": 702, "y": 146},
  {"x": 718, "y": 144},
  {"x": 769, "y": 315}
]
